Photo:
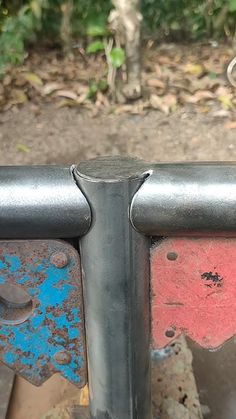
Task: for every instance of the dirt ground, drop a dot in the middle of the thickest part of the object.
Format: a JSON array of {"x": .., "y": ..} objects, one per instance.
[
  {"x": 65, "y": 136},
  {"x": 69, "y": 135}
]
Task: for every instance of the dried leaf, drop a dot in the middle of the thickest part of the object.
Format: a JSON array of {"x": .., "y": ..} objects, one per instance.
[
  {"x": 19, "y": 80},
  {"x": 123, "y": 109},
  {"x": 222, "y": 113},
  {"x": 82, "y": 98},
  {"x": 67, "y": 102},
  {"x": 18, "y": 97},
  {"x": 164, "y": 60},
  {"x": 69, "y": 94},
  {"x": 7, "y": 80},
  {"x": 101, "y": 99},
  {"x": 158, "y": 69},
  {"x": 199, "y": 96},
  {"x": 194, "y": 69},
  {"x": 33, "y": 79},
  {"x": 226, "y": 101},
  {"x": 51, "y": 87},
  {"x": 230, "y": 125},
  {"x": 223, "y": 91},
  {"x": 156, "y": 83},
  {"x": 23, "y": 148},
  {"x": 165, "y": 103}
]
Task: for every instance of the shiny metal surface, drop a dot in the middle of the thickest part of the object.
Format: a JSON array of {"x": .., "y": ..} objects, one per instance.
[
  {"x": 115, "y": 265},
  {"x": 41, "y": 201},
  {"x": 187, "y": 199}
]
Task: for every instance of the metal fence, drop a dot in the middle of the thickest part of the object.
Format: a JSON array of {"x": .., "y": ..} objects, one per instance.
[{"x": 111, "y": 210}]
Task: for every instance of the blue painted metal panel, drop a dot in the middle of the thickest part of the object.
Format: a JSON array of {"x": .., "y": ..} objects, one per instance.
[{"x": 41, "y": 314}]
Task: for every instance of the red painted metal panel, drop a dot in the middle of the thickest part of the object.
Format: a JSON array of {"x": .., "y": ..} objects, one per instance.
[{"x": 194, "y": 290}]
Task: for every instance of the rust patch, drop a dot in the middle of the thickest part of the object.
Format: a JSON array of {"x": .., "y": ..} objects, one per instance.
[
  {"x": 49, "y": 273},
  {"x": 215, "y": 280}
]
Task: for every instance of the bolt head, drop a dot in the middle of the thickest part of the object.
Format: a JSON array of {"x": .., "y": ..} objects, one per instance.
[
  {"x": 170, "y": 333},
  {"x": 59, "y": 260},
  {"x": 62, "y": 357},
  {"x": 172, "y": 256}
]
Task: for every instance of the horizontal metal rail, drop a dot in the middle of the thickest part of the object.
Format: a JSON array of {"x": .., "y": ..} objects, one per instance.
[
  {"x": 197, "y": 199},
  {"x": 174, "y": 199},
  {"x": 41, "y": 201},
  {"x": 106, "y": 198}
]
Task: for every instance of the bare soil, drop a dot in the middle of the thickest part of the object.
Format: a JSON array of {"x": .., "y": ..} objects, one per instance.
[{"x": 65, "y": 136}]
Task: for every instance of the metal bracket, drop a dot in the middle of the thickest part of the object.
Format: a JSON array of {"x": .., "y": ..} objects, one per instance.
[{"x": 41, "y": 313}]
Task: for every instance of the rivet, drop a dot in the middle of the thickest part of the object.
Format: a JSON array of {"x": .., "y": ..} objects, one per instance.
[
  {"x": 62, "y": 357},
  {"x": 59, "y": 260},
  {"x": 172, "y": 256},
  {"x": 170, "y": 333}
]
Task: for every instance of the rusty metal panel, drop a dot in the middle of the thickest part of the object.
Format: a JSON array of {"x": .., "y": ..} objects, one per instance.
[
  {"x": 193, "y": 290},
  {"x": 41, "y": 314}
]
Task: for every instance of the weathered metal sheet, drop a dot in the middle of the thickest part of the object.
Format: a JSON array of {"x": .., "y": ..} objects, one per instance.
[
  {"x": 41, "y": 315},
  {"x": 6, "y": 385},
  {"x": 194, "y": 290}
]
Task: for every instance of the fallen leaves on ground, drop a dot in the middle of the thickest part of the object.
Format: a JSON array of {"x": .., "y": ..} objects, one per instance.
[{"x": 173, "y": 76}]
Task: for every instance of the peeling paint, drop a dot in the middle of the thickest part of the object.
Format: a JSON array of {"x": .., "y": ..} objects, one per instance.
[
  {"x": 194, "y": 294},
  {"x": 55, "y": 322}
]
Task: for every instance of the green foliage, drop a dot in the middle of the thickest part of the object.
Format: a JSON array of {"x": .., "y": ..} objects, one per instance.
[
  {"x": 95, "y": 87},
  {"x": 94, "y": 47},
  {"x": 17, "y": 29},
  {"x": 96, "y": 28},
  {"x": 232, "y": 5},
  {"x": 90, "y": 17},
  {"x": 117, "y": 57},
  {"x": 190, "y": 19},
  {"x": 23, "y": 21}
]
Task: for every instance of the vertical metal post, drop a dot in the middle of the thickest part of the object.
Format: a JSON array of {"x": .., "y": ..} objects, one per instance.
[{"x": 115, "y": 265}]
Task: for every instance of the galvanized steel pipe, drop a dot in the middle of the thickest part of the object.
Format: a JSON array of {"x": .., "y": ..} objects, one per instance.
[
  {"x": 115, "y": 266},
  {"x": 197, "y": 199},
  {"x": 41, "y": 202}
]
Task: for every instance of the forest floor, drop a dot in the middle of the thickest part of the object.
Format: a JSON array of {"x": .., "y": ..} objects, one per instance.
[{"x": 187, "y": 113}]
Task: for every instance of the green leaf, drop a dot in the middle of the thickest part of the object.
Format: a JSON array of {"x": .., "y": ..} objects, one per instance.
[
  {"x": 94, "y": 47},
  {"x": 102, "y": 85},
  {"x": 117, "y": 57},
  {"x": 232, "y": 5},
  {"x": 96, "y": 29},
  {"x": 93, "y": 88},
  {"x": 212, "y": 75}
]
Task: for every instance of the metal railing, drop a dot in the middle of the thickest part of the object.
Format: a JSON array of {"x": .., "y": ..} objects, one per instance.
[{"x": 113, "y": 206}]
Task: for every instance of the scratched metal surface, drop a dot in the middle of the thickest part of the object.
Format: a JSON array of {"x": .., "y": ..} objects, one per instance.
[
  {"x": 41, "y": 328},
  {"x": 193, "y": 290}
]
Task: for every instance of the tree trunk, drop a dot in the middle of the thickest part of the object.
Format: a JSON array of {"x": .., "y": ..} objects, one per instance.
[
  {"x": 66, "y": 30},
  {"x": 130, "y": 26}
]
